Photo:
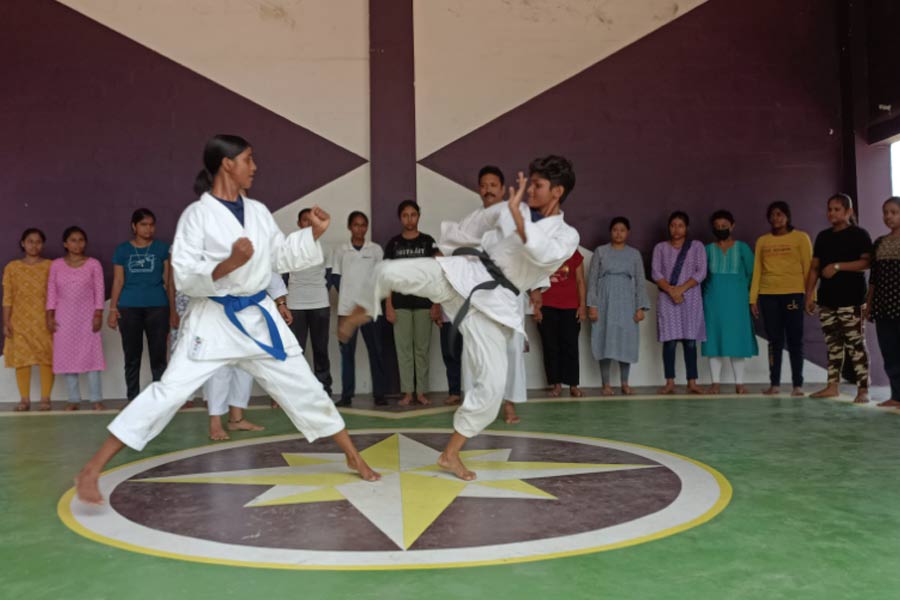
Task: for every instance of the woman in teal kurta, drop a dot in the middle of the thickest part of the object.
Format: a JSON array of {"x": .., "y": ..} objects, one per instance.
[{"x": 726, "y": 302}]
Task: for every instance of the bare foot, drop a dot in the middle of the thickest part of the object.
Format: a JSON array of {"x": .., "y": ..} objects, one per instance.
[
  {"x": 348, "y": 325},
  {"x": 356, "y": 463},
  {"x": 23, "y": 406},
  {"x": 829, "y": 391},
  {"x": 693, "y": 388},
  {"x": 891, "y": 403},
  {"x": 423, "y": 399},
  {"x": 405, "y": 400},
  {"x": 244, "y": 425},
  {"x": 455, "y": 465},
  {"x": 715, "y": 389},
  {"x": 575, "y": 391},
  {"x": 555, "y": 391},
  {"x": 669, "y": 388},
  {"x": 626, "y": 389},
  {"x": 87, "y": 489},
  {"x": 99, "y": 406},
  {"x": 453, "y": 400},
  {"x": 740, "y": 389},
  {"x": 187, "y": 405},
  {"x": 45, "y": 405},
  {"x": 72, "y": 406},
  {"x": 216, "y": 433},
  {"x": 797, "y": 392},
  {"x": 606, "y": 390},
  {"x": 509, "y": 413},
  {"x": 862, "y": 397},
  {"x": 273, "y": 404}
]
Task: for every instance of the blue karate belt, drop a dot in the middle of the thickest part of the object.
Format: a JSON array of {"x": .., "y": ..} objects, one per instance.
[
  {"x": 498, "y": 279},
  {"x": 235, "y": 304}
]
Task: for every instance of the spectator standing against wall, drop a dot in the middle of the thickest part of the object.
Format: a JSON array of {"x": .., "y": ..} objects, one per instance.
[
  {"x": 678, "y": 268},
  {"x": 617, "y": 301},
  {"x": 140, "y": 304},
  {"x": 351, "y": 265},
  {"x": 884, "y": 297},
  {"x": 75, "y": 298},
  {"x": 28, "y": 342},
  {"x": 558, "y": 312},
  {"x": 726, "y": 307},
  {"x": 412, "y": 316},
  {"x": 841, "y": 255},
  {"x": 782, "y": 260},
  {"x": 307, "y": 299}
]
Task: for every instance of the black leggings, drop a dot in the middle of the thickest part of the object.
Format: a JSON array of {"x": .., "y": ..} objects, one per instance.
[
  {"x": 783, "y": 318},
  {"x": 559, "y": 334}
]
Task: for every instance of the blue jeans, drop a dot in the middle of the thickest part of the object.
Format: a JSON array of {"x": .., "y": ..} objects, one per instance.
[
  {"x": 371, "y": 333},
  {"x": 690, "y": 358},
  {"x": 93, "y": 378}
]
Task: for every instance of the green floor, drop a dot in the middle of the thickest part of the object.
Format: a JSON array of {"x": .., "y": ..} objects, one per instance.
[{"x": 816, "y": 486}]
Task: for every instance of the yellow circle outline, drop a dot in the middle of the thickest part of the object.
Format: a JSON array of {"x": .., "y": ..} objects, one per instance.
[{"x": 64, "y": 511}]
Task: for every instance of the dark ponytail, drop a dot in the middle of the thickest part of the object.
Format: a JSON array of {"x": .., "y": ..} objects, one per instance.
[
  {"x": 203, "y": 182},
  {"x": 219, "y": 147}
]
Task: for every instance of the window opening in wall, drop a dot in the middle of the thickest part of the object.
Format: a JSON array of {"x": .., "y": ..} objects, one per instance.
[{"x": 895, "y": 168}]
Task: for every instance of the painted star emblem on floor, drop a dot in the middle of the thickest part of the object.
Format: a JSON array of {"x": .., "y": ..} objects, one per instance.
[{"x": 413, "y": 491}]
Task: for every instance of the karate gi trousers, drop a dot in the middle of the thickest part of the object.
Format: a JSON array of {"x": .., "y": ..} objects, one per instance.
[
  {"x": 485, "y": 350},
  {"x": 229, "y": 386},
  {"x": 290, "y": 382}
]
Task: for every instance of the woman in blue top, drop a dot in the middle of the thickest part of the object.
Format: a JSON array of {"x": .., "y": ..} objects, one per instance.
[{"x": 140, "y": 303}]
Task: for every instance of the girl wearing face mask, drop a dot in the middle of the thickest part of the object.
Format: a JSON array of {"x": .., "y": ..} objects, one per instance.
[
  {"x": 781, "y": 263},
  {"x": 28, "y": 342},
  {"x": 840, "y": 256},
  {"x": 883, "y": 304},
  {"x": 726, "y": 294}
]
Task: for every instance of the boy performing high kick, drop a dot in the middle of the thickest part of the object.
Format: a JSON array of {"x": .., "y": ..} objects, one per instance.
[
  {"x": 520, "y": 247},
  {"x": 226, "y": 248}
]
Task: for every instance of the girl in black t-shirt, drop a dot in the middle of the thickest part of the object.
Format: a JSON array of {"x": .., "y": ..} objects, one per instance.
[
  {"x": 411, "y": 316},
  {"x": 840, "y": 256}
]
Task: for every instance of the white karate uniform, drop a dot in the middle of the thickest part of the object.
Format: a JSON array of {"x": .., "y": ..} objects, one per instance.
[
  {"x": 494, "y": 314},
  {"x": 516, "y": 377},
  {"x": 209, "y": 340},
  {"x": 231, "y": 386}
]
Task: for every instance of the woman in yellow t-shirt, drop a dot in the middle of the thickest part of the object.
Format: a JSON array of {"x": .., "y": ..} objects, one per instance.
[{"x": 777, "y": 292}]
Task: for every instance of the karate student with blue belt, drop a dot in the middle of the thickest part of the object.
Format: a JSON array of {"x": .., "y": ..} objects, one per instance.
[{"x": 225, "y": 250}]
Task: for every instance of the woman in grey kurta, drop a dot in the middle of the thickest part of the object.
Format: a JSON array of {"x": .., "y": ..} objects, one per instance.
[{"x": 616, "y": 299}]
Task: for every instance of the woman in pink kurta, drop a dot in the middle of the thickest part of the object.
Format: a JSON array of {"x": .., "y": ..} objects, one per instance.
[{"x": 75, "y": 298}]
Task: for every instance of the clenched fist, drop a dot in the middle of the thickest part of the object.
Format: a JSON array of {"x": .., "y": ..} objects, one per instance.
[
  {"x": 241, "y": 251},
  {"x": 319, "y": 220}
]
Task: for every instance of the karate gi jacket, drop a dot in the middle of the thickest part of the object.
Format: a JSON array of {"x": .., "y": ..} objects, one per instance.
[
  {"x": 527, "y": 265},
  {"x": 203, "y": 239}
]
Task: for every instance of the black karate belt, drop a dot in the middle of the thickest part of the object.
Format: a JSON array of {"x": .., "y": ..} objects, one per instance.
[{"x": 498, "y": 279}]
